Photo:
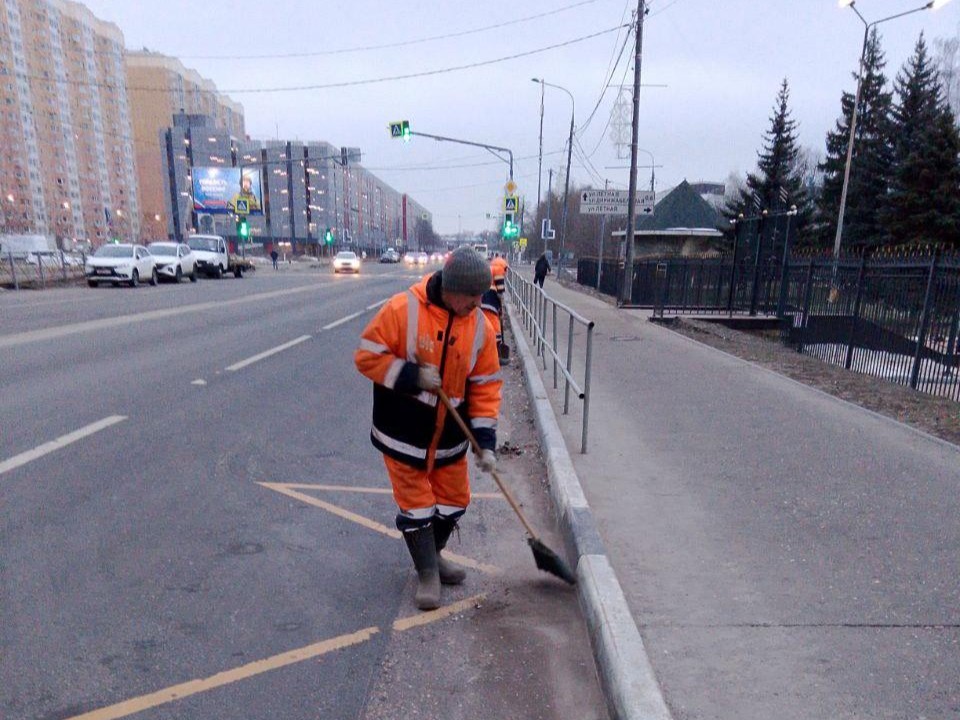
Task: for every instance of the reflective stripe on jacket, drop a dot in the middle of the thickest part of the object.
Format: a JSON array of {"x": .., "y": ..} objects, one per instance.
[
  {"x": 491, "y": 306},
  {"x": 414, "y": 328}
]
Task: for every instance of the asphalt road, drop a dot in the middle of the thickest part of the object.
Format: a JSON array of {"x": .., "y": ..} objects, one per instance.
[{"x": 193, "y": 523}]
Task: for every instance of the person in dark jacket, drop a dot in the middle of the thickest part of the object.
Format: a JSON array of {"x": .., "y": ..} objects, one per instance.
[{"x": 541, "y": 269}]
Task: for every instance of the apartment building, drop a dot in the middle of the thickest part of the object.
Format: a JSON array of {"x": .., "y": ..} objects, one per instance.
[
  {"x": 306, "y": 191},
  {"x": 67, "y": 164},
  {"x": 159, "y": 87}
]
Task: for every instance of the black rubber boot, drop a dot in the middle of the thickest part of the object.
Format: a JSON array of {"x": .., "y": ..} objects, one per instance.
[
  {"x": 423, "y": 550},
  {"x": 450, "y": 574}
]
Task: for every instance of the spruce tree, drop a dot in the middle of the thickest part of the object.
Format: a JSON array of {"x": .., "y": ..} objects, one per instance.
[
  {"x": 778, "y": 182},
  {"x": 923, "y": 202},
  {"x": 871, "y": 162}
]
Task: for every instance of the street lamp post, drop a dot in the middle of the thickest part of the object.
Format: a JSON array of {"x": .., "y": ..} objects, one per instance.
[
  {"x": 566, "y": 182},
  {"x": 867, "y": 27}
]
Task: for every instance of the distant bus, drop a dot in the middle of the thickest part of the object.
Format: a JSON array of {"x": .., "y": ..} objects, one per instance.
[{"x": 480, "y": 248}]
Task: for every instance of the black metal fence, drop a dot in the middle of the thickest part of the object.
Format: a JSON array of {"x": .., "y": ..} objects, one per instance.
[
  {"x": 39, "y": 270},
  {"x": 893, "y": 317}
]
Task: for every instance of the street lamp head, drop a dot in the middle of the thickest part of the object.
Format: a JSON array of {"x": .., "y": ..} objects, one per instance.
[
  {"x": 536, "y": 80},
  {"x": 845, "y": 3},
  {"x": 937, "y": 4}
]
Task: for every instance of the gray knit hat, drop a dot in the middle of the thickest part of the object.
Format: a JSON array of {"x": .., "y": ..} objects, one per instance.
[{"x": 466, "y": 272}]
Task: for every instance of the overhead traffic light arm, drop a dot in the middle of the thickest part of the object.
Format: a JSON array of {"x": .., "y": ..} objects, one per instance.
[{"x": 493, "y": 148}]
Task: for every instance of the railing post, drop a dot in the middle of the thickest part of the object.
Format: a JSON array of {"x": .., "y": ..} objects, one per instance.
[
  {"x": 856, "y": 312},
  {"x": 588, "y": 366},
  {"x": 554, "y": 353},
  {"x": 733, "y": 267},
  {"x": 756, "y": 266},
  {"x": 566, "y": 377},
  {"x": 807, "y": 298},
  {"x": 13, "y": 270},
  {"x": 63, "y": 267},
  {"x": 924, "y": 322}
]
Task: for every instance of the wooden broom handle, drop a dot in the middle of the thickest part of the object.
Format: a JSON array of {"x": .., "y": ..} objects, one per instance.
[{"x": 477, "y": 449}]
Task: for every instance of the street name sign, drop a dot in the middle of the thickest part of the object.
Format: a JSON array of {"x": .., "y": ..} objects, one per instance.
[{"x": 614, "y": 202}]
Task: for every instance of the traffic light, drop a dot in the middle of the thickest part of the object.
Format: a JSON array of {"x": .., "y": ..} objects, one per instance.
[
  {"x": 510, "y": 228},
  {"x": 328, "y": 237},
  {"x": 405, "y": 130},
  {"x": 243, "y": 229}
]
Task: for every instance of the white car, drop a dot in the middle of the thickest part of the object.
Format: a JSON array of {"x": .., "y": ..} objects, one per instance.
[
  {"x": 346, "y": 261},
  {"x": 121, "y": 263},
  {"x": 174, "y": 260}
]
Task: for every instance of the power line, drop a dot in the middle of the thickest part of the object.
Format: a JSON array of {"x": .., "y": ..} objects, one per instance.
[
  {"x": 606, "y": 84},
  {"x": 415, "y": 168},
  {"x": 326, "y": 86},
  {"x": 386, "y": 46}
]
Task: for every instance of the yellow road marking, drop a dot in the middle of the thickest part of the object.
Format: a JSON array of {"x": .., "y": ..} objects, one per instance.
[
  {"x": 425, "y": 618},
  {"x": 336, "y": 510},
  {"x": 287, "y": 490},
  {"x": 471, "y": 563},
  {"x": 373, "y": 490},
  {"x": 192, "y": 687}
]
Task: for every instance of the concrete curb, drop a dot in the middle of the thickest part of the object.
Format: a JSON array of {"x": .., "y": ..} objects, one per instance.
[{"x": 626, "y": 675}]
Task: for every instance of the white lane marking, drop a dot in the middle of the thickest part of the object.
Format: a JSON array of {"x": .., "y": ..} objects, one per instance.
[
  {"x": 199, "y": 381},
  {"x": 377, "y": 304},
  {"x": 343, "y": 320},
  {"x": 91, "y": 325},
  {"x": 61, "y": 442},
  {"x": 256, "y": 358}
]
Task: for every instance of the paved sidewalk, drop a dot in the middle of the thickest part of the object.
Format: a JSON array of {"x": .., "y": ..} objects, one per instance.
[{"x": 783, "y": 553}]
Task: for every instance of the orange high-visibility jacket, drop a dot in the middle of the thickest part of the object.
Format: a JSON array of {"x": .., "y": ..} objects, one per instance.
[
  {"x": 498, "y": 268},
  {"x": 414, "y": 328}
]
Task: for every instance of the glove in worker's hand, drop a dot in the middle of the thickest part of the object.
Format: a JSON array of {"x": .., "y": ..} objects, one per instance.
[
  {"x": 428, "y": 378},
  {"x": 487, "y": 461}
]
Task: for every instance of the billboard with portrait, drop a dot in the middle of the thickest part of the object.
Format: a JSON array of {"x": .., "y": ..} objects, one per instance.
[{"x": 224, "y": 190}]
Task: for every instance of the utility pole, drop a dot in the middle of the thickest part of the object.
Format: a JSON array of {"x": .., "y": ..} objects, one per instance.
[
  {"x": 549, "y": 202},
  {"x": 603, "y": 230},
  {"x": 540, "y": 161},
  {"x": 626, "y": 289}
]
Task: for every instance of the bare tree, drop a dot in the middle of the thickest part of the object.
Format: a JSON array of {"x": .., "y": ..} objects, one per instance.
[{"x": 947, "y": 60}]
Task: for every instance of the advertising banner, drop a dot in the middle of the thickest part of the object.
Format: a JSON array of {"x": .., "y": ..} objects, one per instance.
[{"x": 224, "y": 190}]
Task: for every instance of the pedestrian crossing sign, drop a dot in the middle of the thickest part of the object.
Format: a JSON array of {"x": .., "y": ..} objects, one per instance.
[
  {"x": 243, "y": 208},
  {"x": 511, "y": 204}
]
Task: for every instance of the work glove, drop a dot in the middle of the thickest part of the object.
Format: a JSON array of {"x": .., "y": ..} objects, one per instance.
[
  {"x": 487, "y": 461},
  {"x": 428, "y": 378}
]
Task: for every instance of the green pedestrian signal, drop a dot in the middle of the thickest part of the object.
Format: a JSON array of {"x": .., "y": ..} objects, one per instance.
[
  {"x": 243, "y": 228},
  {"x": 510, "y": 230},
  {"x": 328, "y": 237},
  {"x": 400, "y": 129}
]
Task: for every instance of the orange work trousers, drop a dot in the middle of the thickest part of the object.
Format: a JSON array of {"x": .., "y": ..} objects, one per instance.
[{"x": 447, "y": 488}]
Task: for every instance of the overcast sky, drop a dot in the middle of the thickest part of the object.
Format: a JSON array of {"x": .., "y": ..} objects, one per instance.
[{"x": 721, "y": 62}]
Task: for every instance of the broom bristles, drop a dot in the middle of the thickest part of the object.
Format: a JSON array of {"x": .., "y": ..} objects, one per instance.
[{"x": 548, "y": 561}]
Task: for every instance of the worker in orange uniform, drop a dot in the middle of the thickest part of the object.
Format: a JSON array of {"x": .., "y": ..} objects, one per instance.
[
  {"x": 499, "y": 267},
  {"x": 433, "y": 336}
]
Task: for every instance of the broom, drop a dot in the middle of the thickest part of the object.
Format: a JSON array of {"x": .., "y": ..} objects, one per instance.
[{"x": 546, "y": 559}]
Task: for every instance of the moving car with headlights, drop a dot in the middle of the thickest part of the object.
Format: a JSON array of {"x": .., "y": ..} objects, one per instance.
[
  {"x": 346, "y": 261},
  {"x": 120, "y": 263},
  {"x": 174, "y": 260},
  {"x": 214, "y": 256}
]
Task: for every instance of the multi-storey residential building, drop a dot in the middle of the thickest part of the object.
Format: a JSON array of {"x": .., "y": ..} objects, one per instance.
[
  {"x": 306, "y": 191},
  {"x": 66, "y": 150},
  {"x": 158, "y": 87}
]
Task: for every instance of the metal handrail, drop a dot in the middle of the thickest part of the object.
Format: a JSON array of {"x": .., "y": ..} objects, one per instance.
[{"x": 532, "y": 302}]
